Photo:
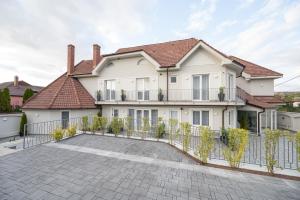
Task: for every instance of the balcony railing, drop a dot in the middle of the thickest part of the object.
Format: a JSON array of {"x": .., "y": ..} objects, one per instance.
[{"x": 211, "y": 94}]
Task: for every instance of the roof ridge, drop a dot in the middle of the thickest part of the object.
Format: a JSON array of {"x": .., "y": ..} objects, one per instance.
[
  {"x": 170, "y": 41},
  {"x": 56, "y": 94}
]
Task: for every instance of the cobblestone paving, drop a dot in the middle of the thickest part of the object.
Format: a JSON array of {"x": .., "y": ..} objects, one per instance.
[
  {"x": 45, "y": 172},
  {"x": 129, "y": 146}
]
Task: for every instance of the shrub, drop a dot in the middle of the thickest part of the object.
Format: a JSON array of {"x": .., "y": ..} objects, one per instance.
[
  {"x": 85, "y": 123},
  {"x": 58, "y": 134},
  {"x": 237, "y": 141},
  {"x": 146, "y": 127},
  {"x": 186, "y": 132},
  {"x": 128, "y": 126},
  {"x": 22, "y": 123},
  {"x": 206, "y": 144},
  {"x": 271, "y": 143},
  {"x": 173, "y": 130},
  {"x": 116, "y": 125},
  {"x": 102, "y": 124},
  {"x": 95, "y": 124},
  {"x": 27, "y": 94},
  {"x": 71, "y": 131},
  {"x": 160, "y": 128}
]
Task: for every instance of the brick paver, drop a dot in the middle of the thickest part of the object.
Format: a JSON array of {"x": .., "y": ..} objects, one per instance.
[{"x": 45, "y": 172}]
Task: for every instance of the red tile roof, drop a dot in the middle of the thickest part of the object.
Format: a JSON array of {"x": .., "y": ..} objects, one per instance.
[
  {"x": 84, "y": 67},
  {"x": 259, "y": 101},
  {"x": 167, "y": 53},
  {"x": 255, "y": 70},
  {"x": 66, "y": 92}
]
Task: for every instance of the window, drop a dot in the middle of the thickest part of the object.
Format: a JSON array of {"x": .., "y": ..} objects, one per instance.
[
  {"x": 231, "y": 118},
  {"x": 173, "y": 79},
  {"x": 201, "y": 118},
  {"x": 201, "y": 87},
  {"x": 174, "y": 114},
  {"x": 115, "y": 113},
  {"x": 110, "y": 90},
  {"x": 230, "y": 87},
  {"x": 142, "y": 85},
  {"x": 64, "y": 119}
]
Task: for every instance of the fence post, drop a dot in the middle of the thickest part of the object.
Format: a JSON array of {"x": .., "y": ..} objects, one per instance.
[{"x": 24, "y": 135}]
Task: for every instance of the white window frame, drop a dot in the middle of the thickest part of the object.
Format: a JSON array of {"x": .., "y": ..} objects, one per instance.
[
  {"x": 201, "y": 87},
  {"x": 210, "y": 121},
  {"x": 172, "y": 76},
  {"x": 144, "y": 89},
  {"x": 231, "y": 117},
  {"x": 230, "y": 90},
  {"x": 105, "y": 89},
  {"x": 113, "y": 112}
]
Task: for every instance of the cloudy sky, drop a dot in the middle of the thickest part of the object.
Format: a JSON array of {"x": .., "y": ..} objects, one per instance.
[{"x": 34, "y": 34}]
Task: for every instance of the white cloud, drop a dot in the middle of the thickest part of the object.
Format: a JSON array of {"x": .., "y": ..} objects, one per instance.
[
  {"x": 226, "y": 24},
  {"x": 34, "y": 34}
]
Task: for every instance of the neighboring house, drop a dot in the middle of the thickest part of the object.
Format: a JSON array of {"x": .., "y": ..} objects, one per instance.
[
  {"x": 289, "y": 121},
  {"x": 178, "y": 79},
  {"x": 16, "y": 90}
]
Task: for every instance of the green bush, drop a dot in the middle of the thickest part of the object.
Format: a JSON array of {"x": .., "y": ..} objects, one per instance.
[
  {"x": 186, "y": 133},
  {"x": 206, "y": 144},
  {"x": 298, "y": 146},
  {"x": 71, "y": 131},
  {"x": 95, "y": 124},
  {"x": 146, "y": 127},
  {"x": 235, "y": 149},
  {"x": 85, "y": 123},
  {"x": 116, "y": 125},
  {"x": 271, "y": 144},
  {"x": 102, "y": 124},
  {"x": 27, "y": 94},
  {"x": 22, "y": 123},
  {"x": 58, "y": 134},
  {"x": 128, "y": 126},
  {"x": 173, "y": 130},
  {"x": 160, "y": 128}
]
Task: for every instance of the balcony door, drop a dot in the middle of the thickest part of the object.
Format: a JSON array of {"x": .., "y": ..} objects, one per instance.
[
  {"x": 140, "y": 115},
  {"x": 142, "y": 86},
  {"x": 110, "y": 90},
  {"x": 230, "y": 83},
  {"x": 201, "y": 87}
]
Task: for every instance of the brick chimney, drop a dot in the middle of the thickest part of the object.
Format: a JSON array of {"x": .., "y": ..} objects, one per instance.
[
  {"x": 70, "y": 59},
  {"x": 16, "y": 81},
  {"x": 96, "y": 55}
]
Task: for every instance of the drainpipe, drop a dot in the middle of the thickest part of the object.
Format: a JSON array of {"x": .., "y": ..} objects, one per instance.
[
  {"x": 258, "y": 120},
  {"x": 223, "y": 121},
  {"x": 167, "y": 84}
]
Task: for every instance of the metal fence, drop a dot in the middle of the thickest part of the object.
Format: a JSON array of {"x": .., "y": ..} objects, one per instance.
[{"x": 286, "y": 153}]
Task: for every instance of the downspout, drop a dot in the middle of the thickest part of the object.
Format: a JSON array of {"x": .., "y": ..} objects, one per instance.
[
  {"x": 258, "y": 120},
  {"x": 167, "y": 84},
  {"x": 223, "y": 121}
]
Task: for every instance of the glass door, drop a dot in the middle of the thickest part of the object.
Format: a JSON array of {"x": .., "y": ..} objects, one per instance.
[
  {"x": 110, "y": 90},
  {"x": 230, "y": 87},
  {"x": 65, "y": 119},
  {"x": 201, "y": 87}
]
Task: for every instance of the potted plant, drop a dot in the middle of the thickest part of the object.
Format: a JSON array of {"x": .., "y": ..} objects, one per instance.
[
  {"x": 98, "y": 95},
  {"x": 123, "y": 95},
  {"x": 160, "y": 95},
  {"x": 221, "y": 94}
]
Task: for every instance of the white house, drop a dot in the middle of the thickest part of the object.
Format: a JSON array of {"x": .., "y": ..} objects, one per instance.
[{"x": 185, "y": 79}]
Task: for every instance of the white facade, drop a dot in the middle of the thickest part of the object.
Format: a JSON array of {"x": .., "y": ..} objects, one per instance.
[
  {"x": 37, "y": 116},
  {"x": 257, "y": 87}
]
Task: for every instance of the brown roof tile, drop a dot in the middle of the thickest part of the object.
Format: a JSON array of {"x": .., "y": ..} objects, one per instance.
[
  {"x": 270, "y": 99},
  {"x": 166, "y": 54},
  {"x": 255, "y": 70},
  {"x": 20, "y": 89},
  {"x": 66, "y": 92},
  {"x": 84, "y": 67}
]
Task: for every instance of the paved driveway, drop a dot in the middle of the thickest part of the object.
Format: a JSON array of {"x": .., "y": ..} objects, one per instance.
[{"x": 85, "y": 167}]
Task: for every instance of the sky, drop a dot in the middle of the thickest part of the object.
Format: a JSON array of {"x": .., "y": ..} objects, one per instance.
[{"x": 34, "y": 34}]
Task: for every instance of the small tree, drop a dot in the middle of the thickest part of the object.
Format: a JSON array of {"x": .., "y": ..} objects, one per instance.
[
  {"x": 5, "y": 101},
  {"x": 116, "y": 125},
  {"x": 22, "y": 123},
  {"x": 173, "y": 130},
  {"x": 27, "y": 94},
  {"x": 129, "y": 126},
  {"x": 85, "y": 123},
  {"x": 160, "y": 128},
  {"x": 102, "y": 124},
  {"x": 186, "y": 132},
  {"x": 271, "y": 143},
  {"x": 95, "y": 124},
  {"x": 206, "y": 144},
  {"x": 298, "y": 146},
  {"x": 146, "y": 127},
  {"x": 237, "y": 141}
]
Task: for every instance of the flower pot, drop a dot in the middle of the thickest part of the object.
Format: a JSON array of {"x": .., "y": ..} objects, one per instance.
[
  {"x": 160, "y": 97},
  {"x": 123, "y": 97},
  {"x": 221, "y": 96}
]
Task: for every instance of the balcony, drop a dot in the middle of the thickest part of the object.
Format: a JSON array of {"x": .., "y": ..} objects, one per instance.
[{"x": 209, "y": 96}]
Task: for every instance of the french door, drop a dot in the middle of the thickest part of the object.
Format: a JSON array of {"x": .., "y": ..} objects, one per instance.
[
  {"x": 110, "y": 90},
  {"x": 230, "y": 87},
  {"x": 201, "y": 87},
  {"x": 142, "y": 86}
]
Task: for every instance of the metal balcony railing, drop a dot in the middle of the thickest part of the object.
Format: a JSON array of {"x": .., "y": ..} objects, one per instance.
[{"x": 211, "y": 94}]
